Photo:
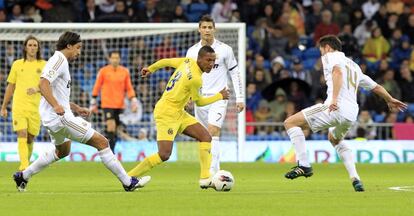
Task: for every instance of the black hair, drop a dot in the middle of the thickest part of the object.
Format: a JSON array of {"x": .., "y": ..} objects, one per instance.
[
  {"x": 67, "y": 38},
  {"x": 331, "y": 40},
  {"x": 204, "y": 50},
  {"x": 206, "y": 18}
]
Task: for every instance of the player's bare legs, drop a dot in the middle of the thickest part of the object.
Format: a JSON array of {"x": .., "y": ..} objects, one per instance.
[
  {"x": 214, "y": 131},
  {"x": 199, "y": 132},
  {"x": 345, "y": 153},
  {"x": 294, "y": 126}
]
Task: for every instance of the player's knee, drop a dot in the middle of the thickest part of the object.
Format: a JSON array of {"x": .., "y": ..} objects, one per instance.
[
  {"x": 213, "y": 130},
  {"x": 288, "y": 123},
  {"x": 164, "y": 155},
  {"x": 206, "y": 137}
]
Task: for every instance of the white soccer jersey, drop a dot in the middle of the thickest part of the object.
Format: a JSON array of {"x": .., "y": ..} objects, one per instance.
[
  {"x": 56, "y": 71},
  {"x": 216, "y": 80},
  {"x": 352, "y": 79}
]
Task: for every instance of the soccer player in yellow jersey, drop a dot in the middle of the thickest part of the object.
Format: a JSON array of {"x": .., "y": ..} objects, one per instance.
[
  {"x": 23, "y": 82},
  {"x": 170, "y": 116}
]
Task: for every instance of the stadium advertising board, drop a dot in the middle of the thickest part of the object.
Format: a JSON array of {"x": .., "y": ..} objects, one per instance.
[
  {"x": 267, "y": 151},
  {"x": 322, "y": 152},
  {"x": 125, "y": 151}
]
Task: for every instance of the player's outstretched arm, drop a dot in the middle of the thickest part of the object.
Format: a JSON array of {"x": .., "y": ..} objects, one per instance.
[
  {"x": 393, "y": 104},
  {"x": 47, "y": 93},
  {"x": 7, "y": 97},
  {"x": 203, "y": 101},
  {"x": 168, "y": 62}
]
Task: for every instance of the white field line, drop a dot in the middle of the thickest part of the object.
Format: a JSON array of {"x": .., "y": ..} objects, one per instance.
[{"x": 402, "y": 188}]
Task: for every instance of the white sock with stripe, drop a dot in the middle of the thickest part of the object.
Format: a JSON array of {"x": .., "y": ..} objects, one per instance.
[
  {"x": 215, "y": 155},
  {"x": 298, "y": 140},
  {"x": 345, "y": 153},
  {"x": 110, "y": 161},
  {"x": 42, "y": 162}
]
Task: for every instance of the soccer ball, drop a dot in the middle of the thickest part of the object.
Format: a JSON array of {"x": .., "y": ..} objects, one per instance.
[{"x": 223, "y": 180}]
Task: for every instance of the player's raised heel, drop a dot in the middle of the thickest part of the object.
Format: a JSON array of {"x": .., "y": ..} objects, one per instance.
[
  {"x": 137, "y": 183},
  {"x": 21, "y": 183},
  {"x": 358, "y": 186},
  {"x": 206, "y": 183},
  {"x": 298, "y": 171}
]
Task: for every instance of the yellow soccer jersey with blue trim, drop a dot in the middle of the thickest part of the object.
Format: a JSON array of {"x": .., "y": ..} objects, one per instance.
[
  {"x": 184, "y": 83},
  {"x": 25, "y": 74}
]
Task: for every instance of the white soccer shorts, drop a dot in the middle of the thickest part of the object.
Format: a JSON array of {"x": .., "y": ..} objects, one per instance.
[
  {"x": 213, "y": 114},
  {"x": 319, "y": 118},
  {"x": 69, "y": 128}
]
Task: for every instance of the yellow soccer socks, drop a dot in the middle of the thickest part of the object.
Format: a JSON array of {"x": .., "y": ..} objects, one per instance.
[
  {"x": 23, "y": 153},
  {"x": 147, "y": 164},
  {"x": 205, "y": 159}
]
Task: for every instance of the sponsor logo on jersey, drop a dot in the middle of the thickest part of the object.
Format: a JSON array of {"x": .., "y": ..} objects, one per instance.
[
  {"x": 69, "y": 84},
  {"x": 170, "y": 131},
  {"x": 216, "y": 66},
  {"x": 38, "y": 71}
]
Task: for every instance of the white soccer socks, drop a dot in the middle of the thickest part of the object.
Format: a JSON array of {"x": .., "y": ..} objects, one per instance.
[
  {"x": 110, "y": 161},
  {"x": 298, "y": 140},
  {"x": 42, "y": 162},
  {"x": 345, "y": 153},
  {"x": 215, "y": 155}
]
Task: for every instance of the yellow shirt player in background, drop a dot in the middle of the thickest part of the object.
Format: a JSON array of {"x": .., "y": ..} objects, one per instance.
[
  {"x": 170, "y": 116},
  {"x": 23, "y": 86}
]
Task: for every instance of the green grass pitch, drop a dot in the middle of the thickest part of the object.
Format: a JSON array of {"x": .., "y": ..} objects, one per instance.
[{"x": 77, "y": 189}]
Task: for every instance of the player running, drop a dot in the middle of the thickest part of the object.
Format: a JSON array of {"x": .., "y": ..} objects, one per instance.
[
  {"x": 56, "y": 115},
  {"x": 171, "y": 118},
  {"x": 339, "y": 111},
  {"x": 23, "y": 86},
  {"x": 212, "y": 116}
]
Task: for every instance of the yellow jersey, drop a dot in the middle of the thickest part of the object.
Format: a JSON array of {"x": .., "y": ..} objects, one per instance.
[
  {"x": 25, "y": 74},
  {"x": 184, "y": 84}
]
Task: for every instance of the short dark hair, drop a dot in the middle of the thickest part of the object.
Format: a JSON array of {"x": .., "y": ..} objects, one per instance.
[
  {"x": 114, "y": 51},
  {"x": 331, "y": 40},
  {"x": 67, "y": 38},
  {"x": 205, "y": 49},
  {"x": 206, "y": 18},
  {"x": 38, "y": 53}
]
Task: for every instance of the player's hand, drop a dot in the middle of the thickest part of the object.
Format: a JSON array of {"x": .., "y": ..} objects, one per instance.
[
  {"x": 31, "y": 91},
  {"x": 134, "y": 105},
  {"x": 59, "y": 110},
  {"x": 93, "y": 105},
  {"x": 240, "y": 106},
  {"x": 333, "y": 106},
  {"x": 395, "y": 105},
  {"x": 145, "y": 72},
  {"x": 84, "y": 112},
  {"x": 3, "y": 112},
  {"x": 225, "y": 93}
]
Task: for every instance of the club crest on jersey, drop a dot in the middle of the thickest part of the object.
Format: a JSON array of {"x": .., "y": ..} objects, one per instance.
[
  {"x": 50, "y": 73},
  {"x": 15, "y": 122},
  {"x": 38, "y": 71},
  {"x": 170, "y": 131}
]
